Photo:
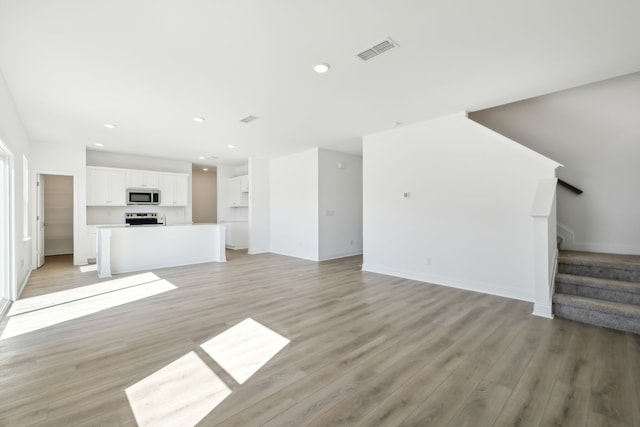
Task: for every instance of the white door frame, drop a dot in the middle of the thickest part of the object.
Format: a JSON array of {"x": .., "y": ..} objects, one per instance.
[
  {"x": 39, "y": 229},
  {"x": 77, "y": 256},
  {"x": 7, "y": 218}
]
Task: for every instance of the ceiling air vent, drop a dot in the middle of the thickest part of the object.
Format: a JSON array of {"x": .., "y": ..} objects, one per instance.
[
  {"x": 249, "y": 119},
  {"x": 376, "y": 50}
]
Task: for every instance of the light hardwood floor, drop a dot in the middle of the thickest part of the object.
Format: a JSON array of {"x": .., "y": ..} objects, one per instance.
[{"x": 365, "y": 350}]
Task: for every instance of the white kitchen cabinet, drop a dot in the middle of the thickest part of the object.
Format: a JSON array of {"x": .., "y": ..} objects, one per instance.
[
  {"x": 236, "y": 234},
  {"x": 128, "y": 249},
  {"x": 106, "y": 187},
  {"x": 140, "y": 179},
  {"x": 174, "y": 190},
  {"x": 236, "y": 196}
]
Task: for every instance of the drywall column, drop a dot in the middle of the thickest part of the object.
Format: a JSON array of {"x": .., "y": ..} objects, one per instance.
[
  {"x": 259, "y": 219},
  {"x": 293, "y": 200},
  {"x": 545, "y": 251}
]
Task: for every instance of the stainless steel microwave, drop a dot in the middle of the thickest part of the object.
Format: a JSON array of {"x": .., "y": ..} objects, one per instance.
[{"x": 143, "y": 196}]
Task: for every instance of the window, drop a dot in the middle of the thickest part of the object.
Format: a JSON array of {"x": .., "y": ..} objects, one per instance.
[{"x": 25, "y": 197}]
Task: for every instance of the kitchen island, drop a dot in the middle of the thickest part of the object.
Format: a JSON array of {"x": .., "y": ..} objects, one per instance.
[{"x": 127, "y": 249}]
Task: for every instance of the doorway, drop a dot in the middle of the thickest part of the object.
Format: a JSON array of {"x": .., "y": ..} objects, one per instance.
[
  {"x": 204, "y": 190},
  {"x": 54, "y": 218}
]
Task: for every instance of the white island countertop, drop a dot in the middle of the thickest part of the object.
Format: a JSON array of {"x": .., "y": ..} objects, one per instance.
[{"x": 123, "y": 249}]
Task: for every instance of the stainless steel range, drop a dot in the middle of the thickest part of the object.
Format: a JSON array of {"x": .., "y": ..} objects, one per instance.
[{"x": 143, "y": 218}]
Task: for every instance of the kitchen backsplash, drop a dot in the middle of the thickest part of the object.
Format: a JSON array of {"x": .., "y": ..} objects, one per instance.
[{"x": 115, "y": 215}]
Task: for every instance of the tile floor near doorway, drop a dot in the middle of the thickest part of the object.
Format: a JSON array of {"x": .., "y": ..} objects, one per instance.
[{"x": 321, "y": 344}]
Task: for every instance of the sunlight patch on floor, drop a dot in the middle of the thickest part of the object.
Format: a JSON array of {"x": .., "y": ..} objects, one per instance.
[
  {"x": 244, "y": 348},
  {"x": 87, "y": 268},
  {"x": 180, "y": 394},
  {"x": 69, "y": 295},
  {"x": 185, "y": 391},
  {"x": 44, "y": 316}
]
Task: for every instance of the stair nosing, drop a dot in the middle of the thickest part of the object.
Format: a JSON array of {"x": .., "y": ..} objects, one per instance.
[
  {"x": 598, "y": 283},
  {"x": 610, "y": 307},
  {"x": 590, "y": 260}
]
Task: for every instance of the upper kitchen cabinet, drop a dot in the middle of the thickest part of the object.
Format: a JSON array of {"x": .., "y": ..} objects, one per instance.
[
  {"x": 238, "y": 189},
  {"x": 139, "y": 179},
  {"x": 106, "y": 187},
  {"x": 174, "y": 189}
]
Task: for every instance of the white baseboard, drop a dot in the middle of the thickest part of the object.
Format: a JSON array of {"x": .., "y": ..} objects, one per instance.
[
  {"x": 258, "y": 251},
  {"x": 59, "y": 252},
  {"x": 542, "y": 310},
  {"x": 24, "y": 283},
  {"x": 4, "y": 307},
  {"x": 235, "y": 248},
  {"x": 340, "y": 255},
  {"x": 294, "y": 255},
  {"x": 485, "y": 288}
]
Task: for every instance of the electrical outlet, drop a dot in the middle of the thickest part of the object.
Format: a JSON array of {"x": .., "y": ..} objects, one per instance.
[
  {"x": 351, "y": 242},
  {"x": 428, "y": 260}
]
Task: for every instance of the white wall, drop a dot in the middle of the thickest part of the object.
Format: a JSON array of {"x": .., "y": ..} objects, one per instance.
[
  {"x": 204, "y": 195},
  {"x": 104, "y": 215},
  {"x": 259, "y": 215},
  {"x": 593, "y": 131},
  {"x": 340, "y": 204},
  {"x": 14, "y": 137},
  {"x": 466, "y": 222},
  {"x": 293, "y": 182},
  {"x": 129, "y": 161}
]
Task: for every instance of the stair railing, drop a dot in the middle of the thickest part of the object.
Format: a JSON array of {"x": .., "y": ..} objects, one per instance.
[{"x": 569, "y": 187}]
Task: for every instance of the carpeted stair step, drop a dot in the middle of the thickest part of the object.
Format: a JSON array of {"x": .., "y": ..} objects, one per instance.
[
  {"x": 603, "y": 266},
  {"x": 614, "y": 315},
  {"x": 604, "y": 289}
]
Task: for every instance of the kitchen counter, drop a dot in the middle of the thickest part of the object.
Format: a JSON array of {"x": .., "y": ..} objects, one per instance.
[{"x": 123, "y": 249}]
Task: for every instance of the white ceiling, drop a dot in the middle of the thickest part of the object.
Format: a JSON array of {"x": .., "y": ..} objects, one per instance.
[{"x": 150, "y": 66}]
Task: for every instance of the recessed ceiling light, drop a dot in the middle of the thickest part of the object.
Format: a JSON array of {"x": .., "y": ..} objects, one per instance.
[
  {"x": 321, "y": 68},
  {"x": 205, "y": 169},
  {"x": 110, "y": 126},
  {"x": 201, "y": 157},
  {"x": 231, "y": 146},
  {"x": 198, "y": 119},
  {"x": 249, "y": 118},
  {"x": 99, "y": 144}
]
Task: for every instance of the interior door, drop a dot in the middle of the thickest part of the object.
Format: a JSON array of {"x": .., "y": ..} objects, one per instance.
[{"x": 40, "y": 223}]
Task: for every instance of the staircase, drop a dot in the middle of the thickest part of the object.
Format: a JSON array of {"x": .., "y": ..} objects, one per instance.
[{"x": 600, "y": 289}]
